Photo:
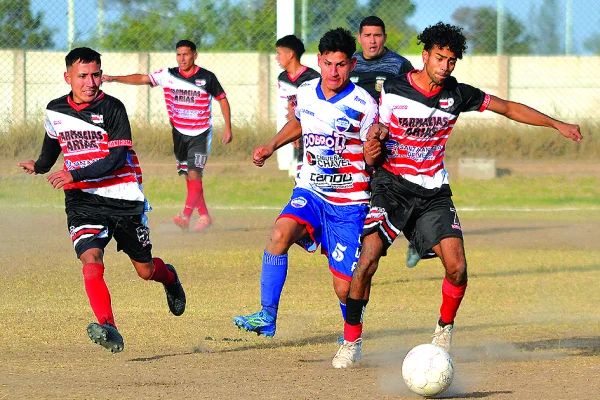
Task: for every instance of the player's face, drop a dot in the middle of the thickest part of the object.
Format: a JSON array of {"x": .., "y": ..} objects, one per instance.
[
  {"x": 84, "y": 80},
  {"x": 283, "y": 57},
  {"x": 186, "y": 58},
  {"x": 439, "y": 64},
  {"x": 335, "y": 71},
  {"x": 372, "y": 40}
]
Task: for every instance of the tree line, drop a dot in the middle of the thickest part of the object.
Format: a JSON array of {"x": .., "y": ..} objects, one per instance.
[{"x": 230, "y": 25}]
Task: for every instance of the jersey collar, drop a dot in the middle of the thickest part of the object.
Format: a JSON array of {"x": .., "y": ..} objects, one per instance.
[
  {"x": 338, "y": 96},
  {"x": 190, "y": 74},
  {"x": 79, "y": 107},
  {"x": 418, "y": 89}
]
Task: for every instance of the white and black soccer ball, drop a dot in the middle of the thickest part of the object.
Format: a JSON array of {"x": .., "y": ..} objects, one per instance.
[{"x": 428, "y": 370}]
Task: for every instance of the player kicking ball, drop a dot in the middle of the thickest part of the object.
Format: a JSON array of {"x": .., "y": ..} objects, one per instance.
[
  {"x": 411, "y": 191},
  {"x": 101, "y": 179},
  {"x": 330, "y": 200}
]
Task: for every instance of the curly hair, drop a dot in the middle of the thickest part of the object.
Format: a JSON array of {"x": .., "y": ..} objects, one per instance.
[
  {"x": 338, "y": 39},
  {"x": 444, "y": 35}
]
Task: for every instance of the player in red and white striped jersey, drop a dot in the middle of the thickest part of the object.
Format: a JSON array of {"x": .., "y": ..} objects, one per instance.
[
  {"x": 188, "y": 91},
  {"x": 411, "y": 192},
  {"x": 101, "y": 178}
]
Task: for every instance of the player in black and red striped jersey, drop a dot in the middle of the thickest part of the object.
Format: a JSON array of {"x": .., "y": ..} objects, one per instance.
[
  {"x": 289, "y": 53},
  {"x": 189, "y": 91},
  {"x": 410, "y": 192},
  {"x": 101, "y": 178}
]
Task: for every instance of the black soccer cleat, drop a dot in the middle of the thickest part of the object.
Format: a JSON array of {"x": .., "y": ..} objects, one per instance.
[
  {"x": 175, "y": 294},
  {"x": 106, "y": 335}
]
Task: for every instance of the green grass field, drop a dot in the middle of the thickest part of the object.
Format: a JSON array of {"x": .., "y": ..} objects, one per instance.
[{"x": 528, "y": 327}]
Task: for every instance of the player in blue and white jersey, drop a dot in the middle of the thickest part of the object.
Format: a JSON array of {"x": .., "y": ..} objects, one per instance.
[{"x": 330, "y": 200}]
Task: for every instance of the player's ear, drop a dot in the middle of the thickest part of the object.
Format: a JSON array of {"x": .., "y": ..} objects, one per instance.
[
  {"x": 67, "y": 78},
  {"x": 195, "y": 56},
  {"x": 425, "y": 56}
]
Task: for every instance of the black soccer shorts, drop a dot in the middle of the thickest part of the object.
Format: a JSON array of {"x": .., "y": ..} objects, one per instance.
[
  {"x": 191, "y": 152},
  {"x": 424, "y": 221},
  {"x": 94, "y": 231}
]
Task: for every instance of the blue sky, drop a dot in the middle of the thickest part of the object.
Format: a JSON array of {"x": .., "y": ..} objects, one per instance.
[{"x": 585, "y": 22}]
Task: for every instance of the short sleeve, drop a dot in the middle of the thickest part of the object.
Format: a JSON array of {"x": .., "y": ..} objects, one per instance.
[
  {"x": 157, "y": 77},
  {"x": 385, "y": 110},
  {"x": 474, "y": 99},
  {"x": 214, "y": 87},
  {"x": 371, "y": 117}
]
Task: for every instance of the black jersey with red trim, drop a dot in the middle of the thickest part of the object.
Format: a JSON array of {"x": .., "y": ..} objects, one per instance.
[
  {"x": 420, "y": 124},
  {"x": 188, "y": 98},
  {"x": 287, "y": 86},
  {"x": 86, "y": 133}
]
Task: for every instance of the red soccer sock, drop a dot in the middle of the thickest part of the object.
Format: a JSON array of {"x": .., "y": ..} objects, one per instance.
[
  {"x": 201, "y": 203},
  {"x": 161, "y": 273},
  {"x": 352, "y": 332},
  {"x": 97, "y": 292},
  {"x": 194, "y": 193},
  {"x": 451, "y": 298}
]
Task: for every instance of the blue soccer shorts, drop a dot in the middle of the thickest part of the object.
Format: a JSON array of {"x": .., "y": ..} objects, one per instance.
[{"x": 336, "y": 228}]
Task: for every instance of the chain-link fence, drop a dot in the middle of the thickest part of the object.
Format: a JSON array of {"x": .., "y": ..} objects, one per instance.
[{"x": 540, "y": 52}]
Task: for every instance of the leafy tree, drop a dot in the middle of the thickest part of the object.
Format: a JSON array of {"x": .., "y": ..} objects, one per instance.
[
  {"x": 479, "y": 25},
  {"x": 20, "y": 28},
  {"x": 593, "y": 43},
  {"x": 546, "y": 36}
]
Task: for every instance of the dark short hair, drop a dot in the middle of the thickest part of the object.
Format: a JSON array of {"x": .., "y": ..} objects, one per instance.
[
  {"x": 186, "y": 43},
  {"x": 293, "y": 43},
  {"x": 338, "y": 39},
  {"x": 371, "y": 21},
  {"x": 444, "y": 35},
  {"x": 84, "y": 55}
]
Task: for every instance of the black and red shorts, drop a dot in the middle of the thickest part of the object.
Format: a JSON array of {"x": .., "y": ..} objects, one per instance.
[
  {"x": 396, "y": 207},
  {"x": 94, "y": 231},
  {"x": 191, "y": 152}
]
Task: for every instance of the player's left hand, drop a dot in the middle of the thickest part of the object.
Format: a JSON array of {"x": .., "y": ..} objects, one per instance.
[
  {"x": 227, "y": 136},
  {"x": 374, "y": 150},
  {"x": 570, "y": 131},
  {"x": 60, "y": 178}
]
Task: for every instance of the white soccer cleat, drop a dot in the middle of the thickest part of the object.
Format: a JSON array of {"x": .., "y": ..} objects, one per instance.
[
  {"x": 348, "y": 354},
  {"x": 443, "y": 336}
]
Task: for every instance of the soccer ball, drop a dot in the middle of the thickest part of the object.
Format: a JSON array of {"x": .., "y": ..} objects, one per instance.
[{"x": 428, "y": 370}]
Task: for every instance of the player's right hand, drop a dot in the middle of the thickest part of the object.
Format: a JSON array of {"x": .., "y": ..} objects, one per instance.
[
  {"x": 378, "y": 131},
  {"x": 260, "y": 155},
  {"x": 28, "y": 166},
  {"x": 107, "y": 78}
]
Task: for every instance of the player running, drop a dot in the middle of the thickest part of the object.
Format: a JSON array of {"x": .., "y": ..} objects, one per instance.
[
  {"x": 289, "y": 52},
  {"x": 411, "y": 191},
  {"x": 330, "y": 200},
  {"x": 101, "y": 178},
  {"x": 188, "y": 91}
]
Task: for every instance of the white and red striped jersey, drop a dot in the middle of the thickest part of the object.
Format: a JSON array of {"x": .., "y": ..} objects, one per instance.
[
  {"x": 333, "y": 132},
  {"x": 86, "y": 133},
  {"x": 188, "y": 98},
  {"x": 420, "y": 124}
]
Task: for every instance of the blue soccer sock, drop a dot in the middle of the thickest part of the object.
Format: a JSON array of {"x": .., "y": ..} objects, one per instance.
[
  {"x": 272, "y": 278},
  {"x": 343, "y": 308}
]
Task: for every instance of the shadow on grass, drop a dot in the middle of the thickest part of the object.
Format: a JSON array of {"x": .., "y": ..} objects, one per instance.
[
  {"x": 495, "y": 230},
  {"x": 473, "y": 395},
  {"x": 473, "y": 275}
]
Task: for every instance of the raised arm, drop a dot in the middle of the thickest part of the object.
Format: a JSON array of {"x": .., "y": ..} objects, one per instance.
[
  {"x": 527, "y": 115},
  {"x": 134, "y": 79}
]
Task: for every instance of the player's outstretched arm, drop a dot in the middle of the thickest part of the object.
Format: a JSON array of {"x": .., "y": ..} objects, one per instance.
[
  {"x": 527, "y": 115},
  {"x": 226, "y": 111},
  {"x": 134, "y": 79},
  {"x": 291, "y": 131}
]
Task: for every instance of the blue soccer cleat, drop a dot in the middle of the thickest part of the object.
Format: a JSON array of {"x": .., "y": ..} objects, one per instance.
[{"x": 262, "y": 323}]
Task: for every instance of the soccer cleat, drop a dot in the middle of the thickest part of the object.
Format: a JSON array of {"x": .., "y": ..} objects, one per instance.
[
  {"x": 204, "y": 222},
  {"x": 348, "y": 354},
  {"x": 175, "y": 294},
  {"x": 262, "y": 323},
  {"x": 182, "y": 221},
  {"x": 106, "y": 335},
  {"x": 443, "y": 336}
]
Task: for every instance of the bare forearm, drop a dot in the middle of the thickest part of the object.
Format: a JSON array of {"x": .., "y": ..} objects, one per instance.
[
  {"x": 291, "y": 131},
  {"x": 226, "y": 111},
  {"x": 134, "y": 79}
]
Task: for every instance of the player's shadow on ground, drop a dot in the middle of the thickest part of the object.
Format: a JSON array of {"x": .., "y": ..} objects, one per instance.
[
  {"x": 495, "y": 231},
  {"x": 496, "y": 274},
  {"x": 580, "y": 346}
]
